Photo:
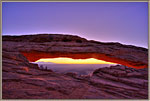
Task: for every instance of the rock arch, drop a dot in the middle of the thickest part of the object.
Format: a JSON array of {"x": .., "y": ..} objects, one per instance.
[{"x": 34, "y": 47}]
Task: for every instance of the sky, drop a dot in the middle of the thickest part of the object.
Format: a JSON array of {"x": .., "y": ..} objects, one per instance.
[
  {"x": 124, "y": 22},
  {"x": 63, "y": 60}
]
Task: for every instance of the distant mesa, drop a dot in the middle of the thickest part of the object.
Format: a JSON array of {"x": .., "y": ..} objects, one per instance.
[{"x": 43, "y": 62}]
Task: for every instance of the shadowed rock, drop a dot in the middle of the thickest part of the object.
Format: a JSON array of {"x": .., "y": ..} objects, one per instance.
[
  {"x": 35, "y": 47},
  {"x": 24, "y": 80}
]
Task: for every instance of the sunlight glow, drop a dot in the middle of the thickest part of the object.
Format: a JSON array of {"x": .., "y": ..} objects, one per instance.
[{"x": 62, "y": 60}]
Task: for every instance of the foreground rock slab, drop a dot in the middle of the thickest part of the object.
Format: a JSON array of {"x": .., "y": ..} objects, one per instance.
[{"x": 115, "y": 82}]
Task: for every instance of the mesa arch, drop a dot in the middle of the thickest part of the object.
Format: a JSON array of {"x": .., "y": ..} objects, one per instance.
[
  {"x": 33, "y": 56},
  {"x": 35, "y": 47}
]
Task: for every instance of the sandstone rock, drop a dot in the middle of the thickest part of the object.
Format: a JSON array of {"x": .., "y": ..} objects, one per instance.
[
  {"x": 35, "y": 47},
  {"x": 24, "y": 80},
  {"x": 71, "y": 74}
]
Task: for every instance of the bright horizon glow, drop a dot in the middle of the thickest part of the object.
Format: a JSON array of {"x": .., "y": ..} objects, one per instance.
[{"x": 62, "y": 60}]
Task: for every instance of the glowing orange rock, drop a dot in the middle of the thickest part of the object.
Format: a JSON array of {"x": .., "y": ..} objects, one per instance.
[
  {"x": 33, "y": 56},
  {"x": 25, "y": 68}
]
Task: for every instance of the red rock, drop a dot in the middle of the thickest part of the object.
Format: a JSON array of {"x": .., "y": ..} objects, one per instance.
[
  {"x": 34, "y": 48},
  {"x": 115, "y": 82}
]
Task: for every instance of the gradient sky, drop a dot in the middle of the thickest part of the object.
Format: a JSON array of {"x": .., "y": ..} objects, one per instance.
[
  {"x": 64, "y": 60},
  {"x": 125, "y": 22}
]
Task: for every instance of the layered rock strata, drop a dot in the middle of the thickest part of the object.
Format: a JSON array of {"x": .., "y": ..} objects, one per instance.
[
  {"x": 24, "y": 80},
  {"x": 35, "y": 47}
]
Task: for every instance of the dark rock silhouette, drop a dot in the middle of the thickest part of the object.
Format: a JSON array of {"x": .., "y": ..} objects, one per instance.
[{"x": 24, "y": 80}]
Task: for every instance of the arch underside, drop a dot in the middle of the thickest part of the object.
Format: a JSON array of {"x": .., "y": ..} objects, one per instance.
[{"x": 33, "y": 56}]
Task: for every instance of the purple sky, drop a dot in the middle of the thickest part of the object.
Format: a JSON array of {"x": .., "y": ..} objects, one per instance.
[{"x": 124, "y": 22}]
